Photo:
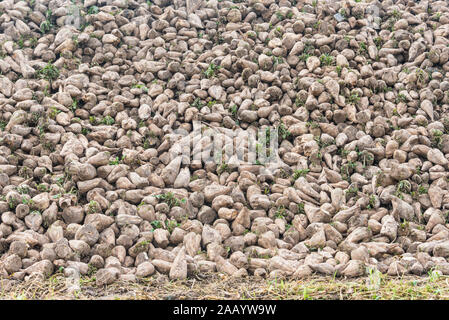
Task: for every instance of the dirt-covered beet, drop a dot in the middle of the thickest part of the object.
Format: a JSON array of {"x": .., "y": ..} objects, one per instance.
[{"x": 94, "y": 92}]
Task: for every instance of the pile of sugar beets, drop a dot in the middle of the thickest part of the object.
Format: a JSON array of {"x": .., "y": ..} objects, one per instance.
[{"x": 92, "y": 93}]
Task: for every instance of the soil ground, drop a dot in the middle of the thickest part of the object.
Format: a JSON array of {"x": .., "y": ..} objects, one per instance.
[{"x": 432, "y": 286}]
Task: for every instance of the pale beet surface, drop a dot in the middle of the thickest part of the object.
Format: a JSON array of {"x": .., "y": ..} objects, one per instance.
[{"x": 88, "y": 115}]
